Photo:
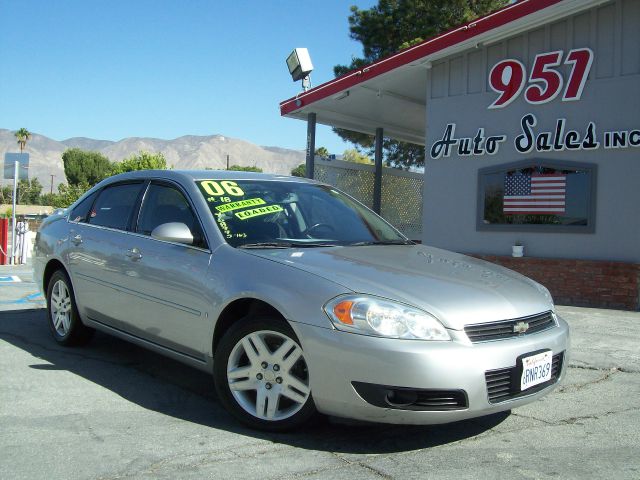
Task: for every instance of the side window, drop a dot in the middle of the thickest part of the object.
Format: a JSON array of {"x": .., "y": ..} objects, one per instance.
[
  {"x": 114, "y": 206},
  {"x": 80, "y": 213},
  {"x": 164, "y": 204}
]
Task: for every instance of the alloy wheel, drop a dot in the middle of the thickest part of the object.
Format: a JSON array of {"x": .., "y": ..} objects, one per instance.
[
  {"x": 61, "y": 308},
  {"x": 268, "y": 375}
]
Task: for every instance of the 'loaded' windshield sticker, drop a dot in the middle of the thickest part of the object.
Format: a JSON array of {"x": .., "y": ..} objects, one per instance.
[
  {"x": 250, "y": 202},
  {"x": 255, "y": 212}
]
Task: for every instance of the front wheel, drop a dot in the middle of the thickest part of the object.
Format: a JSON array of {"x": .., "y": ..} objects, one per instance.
[
  {"x": 64, "y": 319},
  {"x": 261, "y": 375}
]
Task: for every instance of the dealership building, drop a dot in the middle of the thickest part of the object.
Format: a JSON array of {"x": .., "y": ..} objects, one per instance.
[{"x": 530, "y": 119}]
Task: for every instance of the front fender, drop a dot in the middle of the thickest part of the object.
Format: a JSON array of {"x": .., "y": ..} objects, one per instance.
[{"x": 299, "y": 296}]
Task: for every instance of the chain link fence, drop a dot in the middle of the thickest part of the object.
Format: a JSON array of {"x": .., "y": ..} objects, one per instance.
[{"x": 401, "y": 203}]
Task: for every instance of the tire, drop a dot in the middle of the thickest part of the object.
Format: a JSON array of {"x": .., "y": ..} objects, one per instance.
[
  {"x": 261, "y": 375},
  {"x": 64, "y": 319}
]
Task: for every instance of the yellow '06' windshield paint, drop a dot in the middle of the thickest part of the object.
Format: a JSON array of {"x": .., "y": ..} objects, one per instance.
[{"x": 225, "y": 187}]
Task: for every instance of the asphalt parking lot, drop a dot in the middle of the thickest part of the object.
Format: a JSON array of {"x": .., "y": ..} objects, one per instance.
[{"x": 112, "y": 410}]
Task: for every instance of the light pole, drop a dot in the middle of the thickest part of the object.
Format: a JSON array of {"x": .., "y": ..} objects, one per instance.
[{"x": 16, "y": 172}]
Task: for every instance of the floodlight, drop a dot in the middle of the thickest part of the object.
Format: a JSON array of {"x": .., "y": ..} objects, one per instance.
[{"x": 300, "y": 66}]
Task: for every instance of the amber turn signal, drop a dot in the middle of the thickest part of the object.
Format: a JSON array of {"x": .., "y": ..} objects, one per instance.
[{"x": 342, "y": 311}]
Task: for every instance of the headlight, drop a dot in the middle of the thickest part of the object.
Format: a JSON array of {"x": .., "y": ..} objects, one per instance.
[{"x": 382, "y": 318}]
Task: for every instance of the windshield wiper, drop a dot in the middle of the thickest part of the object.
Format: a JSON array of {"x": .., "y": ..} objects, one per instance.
[
  {"x": 381, "y": 242},
  {"x": 266, "y": 245},
  {"x": 285, "y": 245}
]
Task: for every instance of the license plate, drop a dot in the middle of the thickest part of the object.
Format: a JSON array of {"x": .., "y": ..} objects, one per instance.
[{"x": 536, "y": 369}]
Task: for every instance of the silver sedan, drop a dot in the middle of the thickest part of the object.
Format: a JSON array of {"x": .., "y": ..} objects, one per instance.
[{"x": 298, "y": 299}]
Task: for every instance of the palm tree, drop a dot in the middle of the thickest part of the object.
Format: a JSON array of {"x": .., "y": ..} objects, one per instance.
[{"x": 23, "y": 135}]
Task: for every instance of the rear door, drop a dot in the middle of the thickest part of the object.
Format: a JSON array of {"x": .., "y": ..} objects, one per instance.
[{"x": 98, "y": 240}]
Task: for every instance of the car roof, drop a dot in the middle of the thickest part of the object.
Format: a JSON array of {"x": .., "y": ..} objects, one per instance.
[{"x": 186, "y": 175}]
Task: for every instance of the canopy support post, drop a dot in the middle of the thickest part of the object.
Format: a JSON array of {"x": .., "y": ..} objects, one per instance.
[
  {"x": 377, "y": 179},
  {"x": 311, "y": 145}
]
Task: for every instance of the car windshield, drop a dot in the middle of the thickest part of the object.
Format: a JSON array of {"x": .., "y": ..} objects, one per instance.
[{"x": 282, "y": 214}]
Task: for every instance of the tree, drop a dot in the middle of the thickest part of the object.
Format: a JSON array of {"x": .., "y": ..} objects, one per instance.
[
  {"x": 29, "y": 192},
  {"x": 67, "y": 194},
  {"x": 85, "y": 167},
  {"x": 140, "y": 161},
  {"x": 6, "y": 194},
  {"x": 322, "y": 152},
  {"x": 23, "y": 135},
  {"x": 299, "y": 171},
  {"x": 353, "y": 155},
  {"x": 238, "y": 168},
  {"x": 392, "y": 25}
]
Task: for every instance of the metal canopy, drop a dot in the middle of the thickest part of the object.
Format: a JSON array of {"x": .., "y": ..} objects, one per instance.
[
  {"x": 391, "y": 93},
  {"x": 377, "y": 104}
]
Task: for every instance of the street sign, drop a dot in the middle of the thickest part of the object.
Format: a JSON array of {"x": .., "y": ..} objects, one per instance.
[{"x": 9, "y": 165}]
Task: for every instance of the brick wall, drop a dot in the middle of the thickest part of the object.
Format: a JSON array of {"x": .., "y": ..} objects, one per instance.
[{"x": 583, "y": 283}]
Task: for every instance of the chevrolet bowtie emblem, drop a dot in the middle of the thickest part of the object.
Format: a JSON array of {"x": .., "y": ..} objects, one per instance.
[{"x": 520, "y": 327}]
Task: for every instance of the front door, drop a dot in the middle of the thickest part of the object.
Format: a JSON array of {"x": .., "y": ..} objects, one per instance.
[{"x": 166, "y": 282}]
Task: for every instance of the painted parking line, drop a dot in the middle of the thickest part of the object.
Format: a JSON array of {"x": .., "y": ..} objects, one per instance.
[
  {"x": 9, "y": 279},
  {"x": 31, "y": 298}
]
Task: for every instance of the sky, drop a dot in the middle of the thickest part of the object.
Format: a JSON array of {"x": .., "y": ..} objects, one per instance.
[{"x": 166, "y": 68}]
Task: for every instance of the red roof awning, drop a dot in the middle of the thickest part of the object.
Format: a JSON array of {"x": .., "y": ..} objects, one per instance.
[{"x": 391, "y": 93}]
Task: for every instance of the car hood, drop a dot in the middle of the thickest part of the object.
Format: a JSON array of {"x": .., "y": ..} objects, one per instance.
[{"x": 457, "y": 289}]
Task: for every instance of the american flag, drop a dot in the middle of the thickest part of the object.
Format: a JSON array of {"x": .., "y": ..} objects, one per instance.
[{"x": 535, "y": 194}]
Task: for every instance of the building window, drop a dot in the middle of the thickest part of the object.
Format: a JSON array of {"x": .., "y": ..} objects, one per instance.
[{"x": 537, "y": 195}]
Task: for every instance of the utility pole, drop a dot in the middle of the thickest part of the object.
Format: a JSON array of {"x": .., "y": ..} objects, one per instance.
[{"x": 52, "y": 184}]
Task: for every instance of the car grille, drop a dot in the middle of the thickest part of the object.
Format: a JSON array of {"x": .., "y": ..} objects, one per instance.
[
  {"x": 504, "y": 384},
  {"x": 483, "y": 332}
]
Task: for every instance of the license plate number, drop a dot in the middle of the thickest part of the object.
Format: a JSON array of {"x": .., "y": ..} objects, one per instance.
[{"x": 536, "y": 369}]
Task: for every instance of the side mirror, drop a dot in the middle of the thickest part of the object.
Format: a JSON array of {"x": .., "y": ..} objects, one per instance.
[{"x": 173, "y": 232}]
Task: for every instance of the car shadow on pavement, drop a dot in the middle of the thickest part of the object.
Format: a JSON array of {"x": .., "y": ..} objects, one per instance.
[{"x": 160, "y": 384}]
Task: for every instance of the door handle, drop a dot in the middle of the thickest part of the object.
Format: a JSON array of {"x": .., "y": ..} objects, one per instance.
[
  {"x": 76, "y": 239},
  {"x": 134, "y": 254}
]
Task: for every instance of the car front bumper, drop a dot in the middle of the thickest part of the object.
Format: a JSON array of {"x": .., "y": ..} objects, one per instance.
[{"x": 336, "y": 360}]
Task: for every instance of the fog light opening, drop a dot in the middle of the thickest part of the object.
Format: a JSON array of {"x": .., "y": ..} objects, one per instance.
[{"x": 401, "y": 398}]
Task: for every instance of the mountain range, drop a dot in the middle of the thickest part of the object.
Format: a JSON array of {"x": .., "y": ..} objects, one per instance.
[{"x": 189, "y": 152}]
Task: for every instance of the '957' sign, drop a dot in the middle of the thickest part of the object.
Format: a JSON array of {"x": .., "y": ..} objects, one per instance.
[{"x": 545, "y": 82}]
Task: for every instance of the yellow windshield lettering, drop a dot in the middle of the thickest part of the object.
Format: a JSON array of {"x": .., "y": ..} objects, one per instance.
[
  {"x": 226, "y": 187},
  {"x": 232, "y": 188},
  {"x": 255, "y": 212},
  {"x": 251, "y": 202}
]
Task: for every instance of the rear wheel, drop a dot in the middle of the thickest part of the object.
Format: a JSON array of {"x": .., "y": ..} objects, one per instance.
[
  {"x": 261, "y": 375},
  {"x": 64, "y": 319}
]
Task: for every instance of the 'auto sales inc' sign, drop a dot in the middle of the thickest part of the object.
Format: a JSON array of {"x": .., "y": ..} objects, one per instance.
[{"x": 545, "y": 83}]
